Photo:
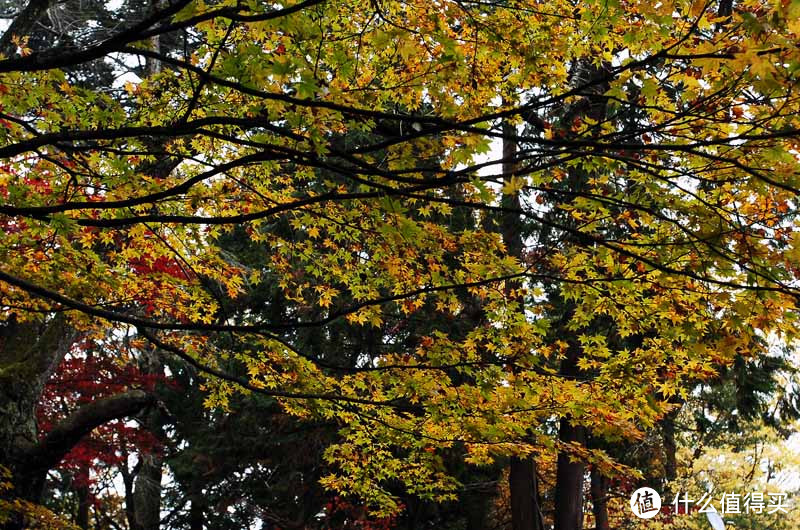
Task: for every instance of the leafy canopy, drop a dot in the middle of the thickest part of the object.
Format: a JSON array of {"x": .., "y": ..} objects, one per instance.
[{"x": 346, "y": 140}]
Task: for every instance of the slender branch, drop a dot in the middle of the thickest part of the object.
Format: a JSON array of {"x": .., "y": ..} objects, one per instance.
[{"x": 208, "y": 370}]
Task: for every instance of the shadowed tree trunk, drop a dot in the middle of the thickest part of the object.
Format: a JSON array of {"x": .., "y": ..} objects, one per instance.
[
  {"x": 522, "y": 481},
  {"x": 29, "y": 463},
  {"x": 570, "y": 471},
  {"x": 599, "y": 492},
  {"x": 569, "y": 481},
  {"x": 82, "y": 519},
  {"x": 147, "y": 484},
  {"x": 476, "y": 507},
  {"x": 670, "y": 450},
  {"x": 22, "y": 24},
  {"x": 29, "y": 352},
  {"x": 147, "y": 493},
  {"x": 524, "y": 486},
  {"x": 197, "y": 507}
]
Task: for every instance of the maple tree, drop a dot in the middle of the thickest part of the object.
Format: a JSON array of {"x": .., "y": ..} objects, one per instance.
[{"x": 655, "y": 155}]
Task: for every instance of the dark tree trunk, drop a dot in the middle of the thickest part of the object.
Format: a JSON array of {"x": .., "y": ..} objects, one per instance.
[
  {"x": 476, "y": 508},
  {"x": 599, "y": 492},
  {"x": 127, "y": 480},
  {"x": 29, "y": 352},
  {"x": 22, "y": 24},
  {"x": 524, "y": 485},
  {"x": 522, "y": 481},
  {"x": 29, "y": 463},
  {"x": 82, "y": 490},
  {"x": 569, "y": 470},
  {"x": 147, "y": 494},
  {"x": 147, "y": 485},
  {"x": 569, "y": 481},
  {"x": 670, "y": 450},
  {"x": 196, "y": 511}
]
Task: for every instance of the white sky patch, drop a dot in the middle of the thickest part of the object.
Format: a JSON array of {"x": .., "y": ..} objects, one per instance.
[
  {"x": 125, "y": 78},
  {"x": 492, "y": 157}
]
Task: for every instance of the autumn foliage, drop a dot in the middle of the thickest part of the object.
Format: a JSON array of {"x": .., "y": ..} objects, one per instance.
[{"x": 450, "y": 235}]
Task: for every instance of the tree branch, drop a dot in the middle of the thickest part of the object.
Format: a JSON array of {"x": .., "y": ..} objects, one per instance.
[
  {"x": 58, "y": 442},
  {"x": 23, "y": 23}
]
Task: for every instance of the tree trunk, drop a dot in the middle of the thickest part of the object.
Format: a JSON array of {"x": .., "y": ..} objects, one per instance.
[
  {"x": 569, "y": 481},
  {"x": 196, "y": 511},
  {"x": 670, "y": 450},
  {"x": 476, "y": 511},
  {"x": 147, "y": 485},
  {"x": 525, "y": 511},
  {"x": 29, "y": 463},
  {"x": 524, "y": 485},
  {"x": 82, "y": 490},
  {"x": 127, "y": 480},
  {"x": 22, "y": 24},
  {"x": 599, "y": 492},
  {"x": 147, "y": 493},
  {"x": 29, "y": 352},
  {"x": 569, "y": 471}
]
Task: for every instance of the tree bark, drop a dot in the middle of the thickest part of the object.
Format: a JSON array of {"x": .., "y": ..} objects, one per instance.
[
  {"x": 670, "y": 450},
  {"x": 64, "y": 436},
  {"x": 569, "y": 472},
  {"x": 82, "y": 490},
  {"x": 197, "y": 506},
  {"x": 128, "y": 475},
  {"x": 524, "y": 486},
  {"x": 476, "y": 511},
  {"x": 147, "y": 485},
  {"x": 147, "y": 493},
  {"x": 29, "y": 352},
  {"x": 569, "y": 481},
  {"x": 525, "y": 510},
  {"x": 23, "y": 23},
  {"x": 599, "y": 492},
  {"x": 29, "y": 464}
]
